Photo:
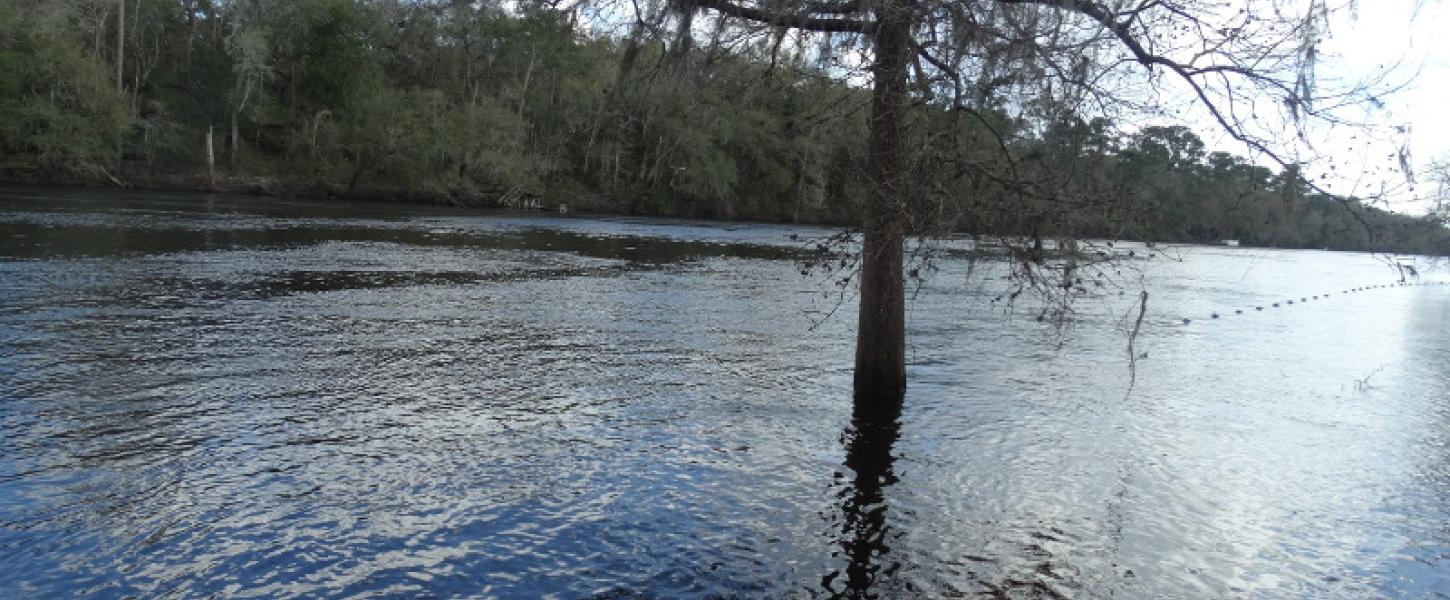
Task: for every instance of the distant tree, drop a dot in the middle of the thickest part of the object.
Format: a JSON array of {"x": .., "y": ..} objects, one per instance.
[
  {"x": 1439, "y": 179},
  {"x": 249, "y": 48},
  {"x": 58, "y": 103}
]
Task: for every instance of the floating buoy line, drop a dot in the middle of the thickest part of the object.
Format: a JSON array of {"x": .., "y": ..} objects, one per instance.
[{"x": 1216, "y": 315}]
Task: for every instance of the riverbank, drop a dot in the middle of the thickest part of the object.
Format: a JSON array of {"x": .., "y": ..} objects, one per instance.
[
  {"x": 273, "y": 187},
  {"x": 1400, "y": 235},
  {"x": 564, "y": 197}
]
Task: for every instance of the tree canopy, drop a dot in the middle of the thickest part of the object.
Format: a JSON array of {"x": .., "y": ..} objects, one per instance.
[
  {"x": 667, "y": 114},
  {"x": 1025, "y": 120}
]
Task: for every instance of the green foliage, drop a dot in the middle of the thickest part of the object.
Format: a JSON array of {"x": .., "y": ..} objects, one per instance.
[
  {"x": 337, "y": 69},
  {"x": 420, "y": 138},
  {"x": 473, "y": 101},
  {"x": 58, "y": 105}
]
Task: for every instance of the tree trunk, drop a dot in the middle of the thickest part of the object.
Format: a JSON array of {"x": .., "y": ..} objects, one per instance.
[
  {"x": 121, "y": 46},
  {"x": 357, "y": 172},
  {"x": 136, "y": 34},
  {"x": 236, "y": 137},
  {"x": 524, "y": 89},
  {"x": 190, "y": 35},
  {"x": 102, "y": 14},
  {"x": 881, "y": 330},
  {"x": 232, "y": 153},
  {"x": 210, "y": 162}
]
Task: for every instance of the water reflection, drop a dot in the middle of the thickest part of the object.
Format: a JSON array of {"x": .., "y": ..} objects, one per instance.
[{"x": 865, "y": 535}]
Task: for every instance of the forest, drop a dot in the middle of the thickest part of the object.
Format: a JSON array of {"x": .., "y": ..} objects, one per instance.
[{"x": 530, "y": 104}]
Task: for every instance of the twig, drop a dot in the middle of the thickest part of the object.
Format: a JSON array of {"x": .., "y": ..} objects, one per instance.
[
  {"x": 1362, "y": 385},
  {"x": 108, "y": 175},
  {"x": 1133, "y": 337}
]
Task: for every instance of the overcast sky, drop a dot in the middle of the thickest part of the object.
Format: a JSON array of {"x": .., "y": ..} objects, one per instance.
[
  {"x": 1405, "y": 44},
  {"x": 1415, "y": 34}
]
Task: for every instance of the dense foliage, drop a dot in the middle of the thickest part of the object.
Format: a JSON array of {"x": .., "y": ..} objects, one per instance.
[{"x": 472, "y": 103}]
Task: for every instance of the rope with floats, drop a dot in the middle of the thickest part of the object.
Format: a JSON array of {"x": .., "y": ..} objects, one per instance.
[{"x": 1314, "y": 298}]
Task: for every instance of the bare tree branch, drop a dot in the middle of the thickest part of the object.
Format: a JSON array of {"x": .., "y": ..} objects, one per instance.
[{"x": 800, "y": 20}]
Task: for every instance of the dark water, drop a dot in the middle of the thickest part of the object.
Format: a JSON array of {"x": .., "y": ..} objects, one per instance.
[{"x": 208, "y": 396}]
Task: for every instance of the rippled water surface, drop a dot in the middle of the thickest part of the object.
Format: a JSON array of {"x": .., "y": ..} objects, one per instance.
[{"x": 237, "y": 397}]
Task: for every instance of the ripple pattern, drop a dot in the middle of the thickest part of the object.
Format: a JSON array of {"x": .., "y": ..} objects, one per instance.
[{"x": 241, "y": 398}]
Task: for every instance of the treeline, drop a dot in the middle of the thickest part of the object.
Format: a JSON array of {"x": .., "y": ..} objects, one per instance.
[{"x": 472, "y": 102}]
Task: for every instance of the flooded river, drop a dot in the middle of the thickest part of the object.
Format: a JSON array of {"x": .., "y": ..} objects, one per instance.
[{"x": 215, "y": 396}]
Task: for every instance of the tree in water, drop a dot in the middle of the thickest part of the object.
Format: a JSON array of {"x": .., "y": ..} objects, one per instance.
[{"x": 993, "y": 64}]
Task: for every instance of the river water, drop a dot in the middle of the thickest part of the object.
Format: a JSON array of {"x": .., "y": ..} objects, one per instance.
[{"x": 238, "y": 397}]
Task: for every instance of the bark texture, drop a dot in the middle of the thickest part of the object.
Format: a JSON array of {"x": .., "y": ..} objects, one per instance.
[{"x": 881, "y": 330}]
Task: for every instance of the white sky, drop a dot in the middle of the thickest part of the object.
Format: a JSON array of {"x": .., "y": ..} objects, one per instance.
[
  {"x": 1403, "y": 43},
  {"x": 1409, "y": 39},
  {"x": 1416, "y": 34}
]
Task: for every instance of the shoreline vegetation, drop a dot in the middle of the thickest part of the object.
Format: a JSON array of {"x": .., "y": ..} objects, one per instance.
[
  {"x": 601, "y": 208},
  {"x": 478, "y": 105},
  {"x": 272, "y": 187},
  {"x": 579, "y": 204}
]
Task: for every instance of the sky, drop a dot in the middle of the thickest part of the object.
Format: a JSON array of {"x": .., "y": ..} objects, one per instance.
[
  {"x": 1410, "y": 41},
  {"x": 1416, "y": 33},
  {"x": 1402, "y": 44}
]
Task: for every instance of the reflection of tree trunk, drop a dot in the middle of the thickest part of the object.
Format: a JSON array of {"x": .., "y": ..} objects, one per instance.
[
  {"x": 881, "y": 331},
  {"x": 875, "y": 426}
]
